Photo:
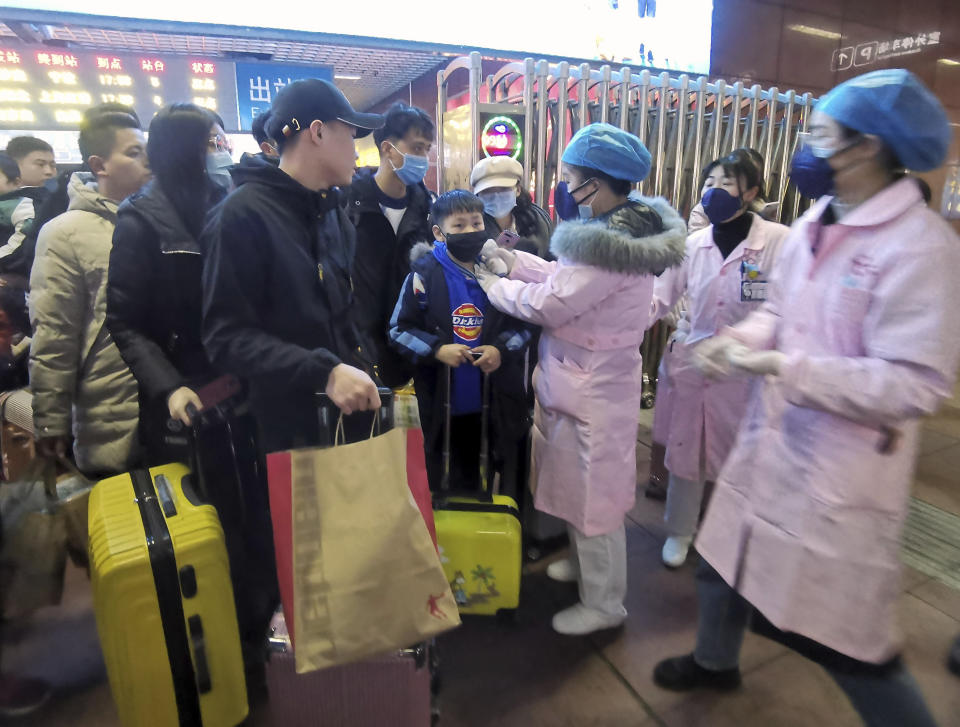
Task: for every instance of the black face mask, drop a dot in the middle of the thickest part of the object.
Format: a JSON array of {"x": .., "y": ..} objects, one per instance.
[{"x": 466, "y": 246}]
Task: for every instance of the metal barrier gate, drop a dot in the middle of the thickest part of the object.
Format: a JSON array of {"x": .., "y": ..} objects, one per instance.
[{"x": 684, "y": 122}]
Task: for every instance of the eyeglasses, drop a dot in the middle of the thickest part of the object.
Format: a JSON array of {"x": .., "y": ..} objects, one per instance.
[{"x": 219, "y": 142}]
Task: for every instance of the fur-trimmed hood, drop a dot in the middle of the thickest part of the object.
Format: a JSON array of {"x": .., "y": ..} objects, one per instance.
[
  {"x": 630, "y": 239},
  {"x": 419, "y": 250}
]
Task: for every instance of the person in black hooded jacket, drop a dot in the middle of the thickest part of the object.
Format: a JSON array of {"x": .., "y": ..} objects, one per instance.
[
  {"x": 277, "y": 276},
  {"x": 388, "y": 207},
  {"x": 153, "y": 293}
]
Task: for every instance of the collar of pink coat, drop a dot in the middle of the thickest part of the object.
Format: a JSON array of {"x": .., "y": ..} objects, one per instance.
[{"x": 886, "y": 205}]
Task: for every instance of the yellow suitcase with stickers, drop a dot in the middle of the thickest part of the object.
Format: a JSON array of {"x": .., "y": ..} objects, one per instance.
[{"x": 478, "y": 534}]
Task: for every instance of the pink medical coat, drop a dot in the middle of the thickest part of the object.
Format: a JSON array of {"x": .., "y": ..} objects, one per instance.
[
  {"x": 706, "y": 414},
  {"x": 806, "y": 518}
]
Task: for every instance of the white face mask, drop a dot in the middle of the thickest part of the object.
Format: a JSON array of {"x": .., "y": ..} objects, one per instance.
[{"x": 499, "y": 204}]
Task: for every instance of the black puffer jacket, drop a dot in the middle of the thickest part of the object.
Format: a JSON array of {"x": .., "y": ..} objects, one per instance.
[
  {"x": 382, "y": 263},
  {"x": 154, "y": 303}
]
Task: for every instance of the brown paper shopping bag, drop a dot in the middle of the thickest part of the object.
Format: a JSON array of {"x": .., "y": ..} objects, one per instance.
[{"x": 366, "y": 576}]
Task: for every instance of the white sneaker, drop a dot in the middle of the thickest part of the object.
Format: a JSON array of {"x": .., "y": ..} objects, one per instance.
[
  {"x": 675, "y": 550},
  {"x": 563, "y": 570},
  {"x": 580, "y": 620}
]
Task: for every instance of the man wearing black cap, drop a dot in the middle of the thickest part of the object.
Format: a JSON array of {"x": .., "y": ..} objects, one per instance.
[{"x": 277, "y": 270}]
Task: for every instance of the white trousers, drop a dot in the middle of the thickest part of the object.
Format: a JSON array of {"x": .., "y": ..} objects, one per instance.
[
  {"x": 684, "y": 498},
  {"x": 601, "y": 562}
]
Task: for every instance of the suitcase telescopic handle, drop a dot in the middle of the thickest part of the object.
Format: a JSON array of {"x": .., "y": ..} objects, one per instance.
[
  {"x": 447, "y": 425},
  {"x": 224, "y": 419},
  {"x": 484, "y": 434}
]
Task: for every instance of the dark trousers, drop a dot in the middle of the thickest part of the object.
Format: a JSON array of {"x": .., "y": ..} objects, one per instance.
[{"x": 885, "y": 695}]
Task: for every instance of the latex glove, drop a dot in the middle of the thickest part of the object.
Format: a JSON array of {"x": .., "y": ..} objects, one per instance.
[
  {"x": 490, "y": 359},
  {"x": 454, "y": 354},
  {"x": 710, "y": 356},
  {"x": 352, "y": 390},
  {"x": 498, "y": 260},
  {"x": 178, "y": 402},
  {"x": 761, "y": 363},
  {"x": 486, "y": 279},
  {"x": 679, "y": 336},
  {"x": 683, "y": 330}
]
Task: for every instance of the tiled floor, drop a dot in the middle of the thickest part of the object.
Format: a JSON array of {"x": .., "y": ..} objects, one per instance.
[{"x": 526, "y": 675}]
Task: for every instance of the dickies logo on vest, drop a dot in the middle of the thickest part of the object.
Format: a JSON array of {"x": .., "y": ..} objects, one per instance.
[{"x": 467, "y": 322}]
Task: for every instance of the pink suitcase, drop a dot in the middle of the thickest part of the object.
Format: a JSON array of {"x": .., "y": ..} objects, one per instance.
[{"x": 394, "y": 689}]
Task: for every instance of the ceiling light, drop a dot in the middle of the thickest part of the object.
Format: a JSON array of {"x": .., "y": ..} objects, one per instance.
[
  {"x": 346, "y": 77},
  {"x": 811, "y": 30},
  {"x": 948, "y": 62}
]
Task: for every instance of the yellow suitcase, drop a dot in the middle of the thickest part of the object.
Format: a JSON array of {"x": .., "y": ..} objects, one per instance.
[
  {"x": 480, "y": 549},
  {"x": 478, "y": 533},
  {"x": 164, "y": 603}
]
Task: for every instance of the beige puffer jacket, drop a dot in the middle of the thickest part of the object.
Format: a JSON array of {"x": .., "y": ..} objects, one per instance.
[{"x": 75, "y": 368}]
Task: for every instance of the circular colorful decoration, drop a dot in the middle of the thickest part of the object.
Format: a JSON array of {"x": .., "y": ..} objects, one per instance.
[{"x": 501, "y": 137}]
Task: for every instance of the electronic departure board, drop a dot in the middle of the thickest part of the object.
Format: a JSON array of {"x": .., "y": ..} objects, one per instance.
[{"x": 50, "y": 88}]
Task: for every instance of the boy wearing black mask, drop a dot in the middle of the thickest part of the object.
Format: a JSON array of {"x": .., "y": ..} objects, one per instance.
[{"x": 443, "y": 319}]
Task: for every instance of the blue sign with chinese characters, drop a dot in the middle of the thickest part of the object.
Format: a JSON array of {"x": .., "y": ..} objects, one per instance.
[{"x": 259, "y": 83}]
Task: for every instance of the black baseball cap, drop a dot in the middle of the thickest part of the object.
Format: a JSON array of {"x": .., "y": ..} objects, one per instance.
[{"x": 301, "y": 103}]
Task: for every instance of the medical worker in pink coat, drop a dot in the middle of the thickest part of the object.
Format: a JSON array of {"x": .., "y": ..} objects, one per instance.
[
  {"x": 677, "y": 318},
  {"x": 859, "y": 338},
  {"x": 593, "y": 305},
  {"x": 725, "y": 278}
]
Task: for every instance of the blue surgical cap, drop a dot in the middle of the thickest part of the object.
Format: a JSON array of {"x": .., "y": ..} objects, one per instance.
[
  {"x": 895, "y": 106},
  {"x": 610, "y": 150}
]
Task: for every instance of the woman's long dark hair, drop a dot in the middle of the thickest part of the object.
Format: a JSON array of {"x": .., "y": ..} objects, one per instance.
[{"x": 177, "y": 149}]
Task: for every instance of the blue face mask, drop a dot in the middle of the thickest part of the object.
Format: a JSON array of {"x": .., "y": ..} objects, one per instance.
[
  {"x": 719, "y": 205},
  {"x": 499, "y": 204},
  {"x": 811, "y": 174},
  {"x": 566, "y": 205},
  {"x": 810, "y": 170},
  {"x": 413, "y": 169}
]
